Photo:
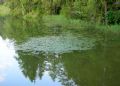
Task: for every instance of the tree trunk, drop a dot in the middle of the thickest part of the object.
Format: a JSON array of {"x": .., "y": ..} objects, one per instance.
[
  {"x": 51, "y": 7},
  {"x": 105, "y": 9}
]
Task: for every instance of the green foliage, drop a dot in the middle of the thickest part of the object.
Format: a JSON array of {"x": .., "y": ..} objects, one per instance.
[
  {"x": 101, "y": 11},
  {"x": 113, "y": 17},
  {"x": 25, "y": 8},
  {"x": 4, "y": 10}
]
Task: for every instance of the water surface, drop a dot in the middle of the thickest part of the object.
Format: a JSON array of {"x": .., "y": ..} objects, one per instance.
[{"x": 35, "y": 55}]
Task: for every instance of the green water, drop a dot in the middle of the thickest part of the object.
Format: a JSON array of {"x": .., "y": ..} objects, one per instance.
[{"x": 32, "y": 54}]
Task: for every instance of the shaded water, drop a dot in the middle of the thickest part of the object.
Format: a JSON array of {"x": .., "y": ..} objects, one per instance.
[{"x": 36, "y": 55}]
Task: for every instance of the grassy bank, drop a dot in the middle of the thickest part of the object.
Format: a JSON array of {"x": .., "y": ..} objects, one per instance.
[{"x": 60, "y": 20}]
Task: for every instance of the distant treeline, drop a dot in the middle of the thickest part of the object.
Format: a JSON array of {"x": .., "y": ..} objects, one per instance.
[{"x": 100, "y": 11}]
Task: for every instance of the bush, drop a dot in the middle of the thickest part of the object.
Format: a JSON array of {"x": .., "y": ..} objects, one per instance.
[{"x": 113, "y": 17}]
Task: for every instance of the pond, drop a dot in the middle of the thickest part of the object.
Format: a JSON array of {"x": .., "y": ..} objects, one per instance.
[{"x": 37, "y": 55}]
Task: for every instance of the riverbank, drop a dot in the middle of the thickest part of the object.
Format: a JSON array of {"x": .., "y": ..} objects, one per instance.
[
  {"x": 80, "y": 26},
  {"x": 74, "y": 25}
]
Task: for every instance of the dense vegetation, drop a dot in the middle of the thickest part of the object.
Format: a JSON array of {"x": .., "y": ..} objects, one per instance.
[{"x": 100, "y": 11}]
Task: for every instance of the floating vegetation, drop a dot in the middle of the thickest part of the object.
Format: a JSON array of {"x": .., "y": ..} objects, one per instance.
[{"x": 56, "y": 44}]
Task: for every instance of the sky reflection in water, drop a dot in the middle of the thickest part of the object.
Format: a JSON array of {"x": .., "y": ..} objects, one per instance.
[
  {"x": 7, "y": 52},
  {"x": 83, "y": 60},
  {"x": 11, "y": 74}
]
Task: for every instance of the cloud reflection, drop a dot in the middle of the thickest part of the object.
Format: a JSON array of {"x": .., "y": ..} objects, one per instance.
[
  {"x": 7, "y": 52},
  {"x": 1, "y": 78}
]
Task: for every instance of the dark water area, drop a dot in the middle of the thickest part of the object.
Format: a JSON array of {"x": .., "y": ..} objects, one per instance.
[{"x": 32, "y": 54}]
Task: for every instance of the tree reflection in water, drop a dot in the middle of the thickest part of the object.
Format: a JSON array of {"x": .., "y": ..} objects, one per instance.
[
  {"x": 45, "y": 54},
  {"x": 86, "y": 67},
  {"x": 95, "y": 67},
  {"x": 35, "y": 66}
]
